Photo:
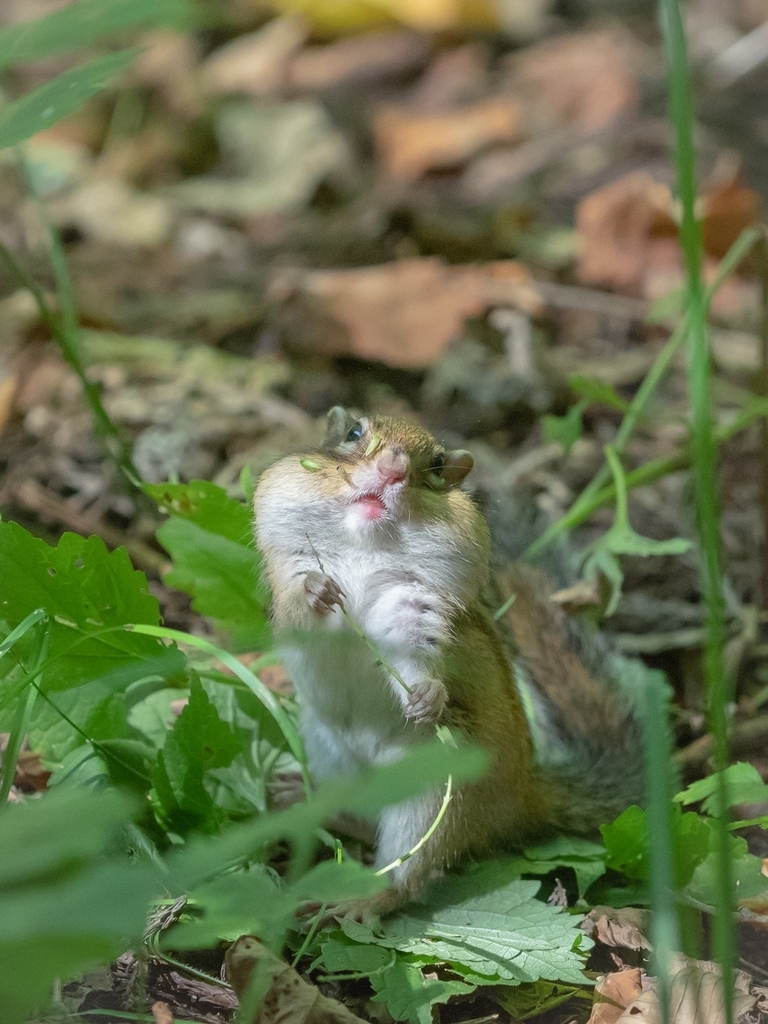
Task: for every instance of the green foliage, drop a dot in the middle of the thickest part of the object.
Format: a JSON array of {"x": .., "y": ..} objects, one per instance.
[
  {"x": 209, "y": 537},
  {"x": 69, "y": 897},
  {"x": 566, "y": 429},
  {"x": 63, "y": 95},
  {"x": 743, "y": 784},
  {"x": 88, "y": 21}
]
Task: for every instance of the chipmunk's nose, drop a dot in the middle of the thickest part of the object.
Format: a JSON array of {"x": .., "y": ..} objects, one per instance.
[{"x": 392, "y": 467}]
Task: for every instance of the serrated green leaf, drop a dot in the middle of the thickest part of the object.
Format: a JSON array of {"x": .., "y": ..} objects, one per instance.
[
  {"x": 209, "y": 538},
  {"x": 744, "y": 785},
  {"x": 340, "y": 955},
  {"x": 208, "y": 506},
  {"x": 491, "y": 925},
  {"x": 586, "y": 859},
  {"x": 408, "y": 995},
  {"x": 566, "y": 429},
  {"x": 64, "y": 905},
  {"x": 747, "y": 875},
  {"x": 80, "y": 24},
  {"x": 597, "y": 391},
  {"x": 198, "y": 742},
  {"x": 365, "y": 793},
  {"x": 63, "y": 95}
]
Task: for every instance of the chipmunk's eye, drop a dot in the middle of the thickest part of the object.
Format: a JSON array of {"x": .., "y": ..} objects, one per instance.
[
  {"x": 438, "y": 464},
  {"x": 355, "y": 433}
]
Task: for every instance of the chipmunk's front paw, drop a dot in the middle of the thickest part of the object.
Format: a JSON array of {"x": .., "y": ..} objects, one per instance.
[
  {"x": 426, "y": 701},
  {"x": 323, "y": 593}
]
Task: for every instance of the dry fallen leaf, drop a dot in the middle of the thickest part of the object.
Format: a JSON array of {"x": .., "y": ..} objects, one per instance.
[
  {"x": 403, "y": 314},
  {"x": 628, "y": 234},
  {"x": 256, "y": 63},
  {"x": 372, "y": 57},
  {"x": 585, "y": 79},
  {"x": 696, "y": 996},
  {"x": 410, "y": 143},
  {"x": 627, "y": 927},
  {"x": 613, "y": 994},
  {"x": 290, "y": 999},
  {"x": 615, "y": 226}
]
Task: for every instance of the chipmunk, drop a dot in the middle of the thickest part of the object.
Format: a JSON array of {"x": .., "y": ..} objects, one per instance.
[{"x": 373, "y": 527}]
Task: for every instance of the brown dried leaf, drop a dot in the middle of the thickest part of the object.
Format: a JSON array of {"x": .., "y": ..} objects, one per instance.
[
  {"x": 625, "y": 927},
  {"x": 696, "y": 996},
  {"x": 256, "y": 63},
  {"x": 373, "y": 57},
  {"x": 290, "y": 999},
  {"x": 403, "y": 314},
  {"x": 613, "y": 994},
  {"x": 585, "y": 79},
  {"x": 628, "y": 233},
  {"x": 615, "y": 225},
  {"x": 410, "y": 143},
  {"x": 728, "y": 210}
]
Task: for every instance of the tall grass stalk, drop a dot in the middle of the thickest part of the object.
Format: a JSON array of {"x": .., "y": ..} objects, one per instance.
[{"x": 704, "y": 457}]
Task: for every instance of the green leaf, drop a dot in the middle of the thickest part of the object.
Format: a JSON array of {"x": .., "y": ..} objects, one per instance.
[
  {"x": 532, "y": 1000},
  {"x": 597, "y": 391},
  {"x": 744, "y": 785},
  {"x": 340, "y": 955},
  {"x": 747, "y": 875},
  {"x": 586, "y": 859},
  {"x": 65, "y": 905},
  {"x": 627, "y": 843},
  {"x": 80, "y": 24},
  {"x": 489, "y": 924},
  {"x": 209, "y": 538},
  {"x": 408, "y": 995},
  {"x": 198, "y": 742},
  {"x": 566, "y": 429},
  {"x": 365, "y": 793},
  {"x": 63, "y": 95}
]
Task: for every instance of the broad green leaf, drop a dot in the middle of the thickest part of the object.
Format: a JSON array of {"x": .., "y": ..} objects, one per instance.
[
  {"x": 341, "y": 955},
  {"x": 89, "y": 593},
  {"x": 209, "y": 538},
  {"x": 527, "y": 1001},
  {"x": 79, "y": 24},
  {"x": 749, "y": 881},
  {"x": 63, "y": 95},
  {"x": 408, "y": 995},
  {"x": 208, "y": 506},
  {"x": 422, "y": 768},
  {"x": 566, "y": 429},
  {"x": 489, "y": 924},
  {"x": 627, "y": 843},
  {"x": 597, "y": 391},
  {"x": 586, "y": 859},
  {"x": 744, "y": 785},
  {"x": 65, "y": 904},
  {"x": 253, "y": 901},
  {"x": 198, "y": 742},
  {"x": 71, "y": 828}
]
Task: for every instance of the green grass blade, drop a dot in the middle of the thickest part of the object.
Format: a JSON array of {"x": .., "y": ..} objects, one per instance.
[
  {"x": 80, "y": 24},
  {"x": 251, "y": 680},
  {"x": 23, "y": 716},
  {"x": 63, "y": 95},
  {"x": 704, "y": 457}
]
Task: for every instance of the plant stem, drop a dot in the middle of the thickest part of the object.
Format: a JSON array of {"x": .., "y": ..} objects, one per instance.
[{"x": 704, "y": 456}]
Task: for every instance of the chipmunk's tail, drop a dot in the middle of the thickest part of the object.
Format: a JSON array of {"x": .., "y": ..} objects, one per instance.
[{"x": 581, "y": 706}]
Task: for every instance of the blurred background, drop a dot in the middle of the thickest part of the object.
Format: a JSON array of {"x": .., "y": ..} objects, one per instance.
[{"x": 459, "y": 211}]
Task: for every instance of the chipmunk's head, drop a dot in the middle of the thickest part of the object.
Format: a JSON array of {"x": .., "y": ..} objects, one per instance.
[{"x": 393, "y": 469}]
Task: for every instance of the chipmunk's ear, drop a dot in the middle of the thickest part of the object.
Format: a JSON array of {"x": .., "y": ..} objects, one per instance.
[
  {"x": 456, "y": 465},
  {"x": 338, "y": 424}
]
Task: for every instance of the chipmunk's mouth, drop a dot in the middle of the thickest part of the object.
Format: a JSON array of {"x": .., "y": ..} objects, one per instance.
[{"x": 372, "y": 506}]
